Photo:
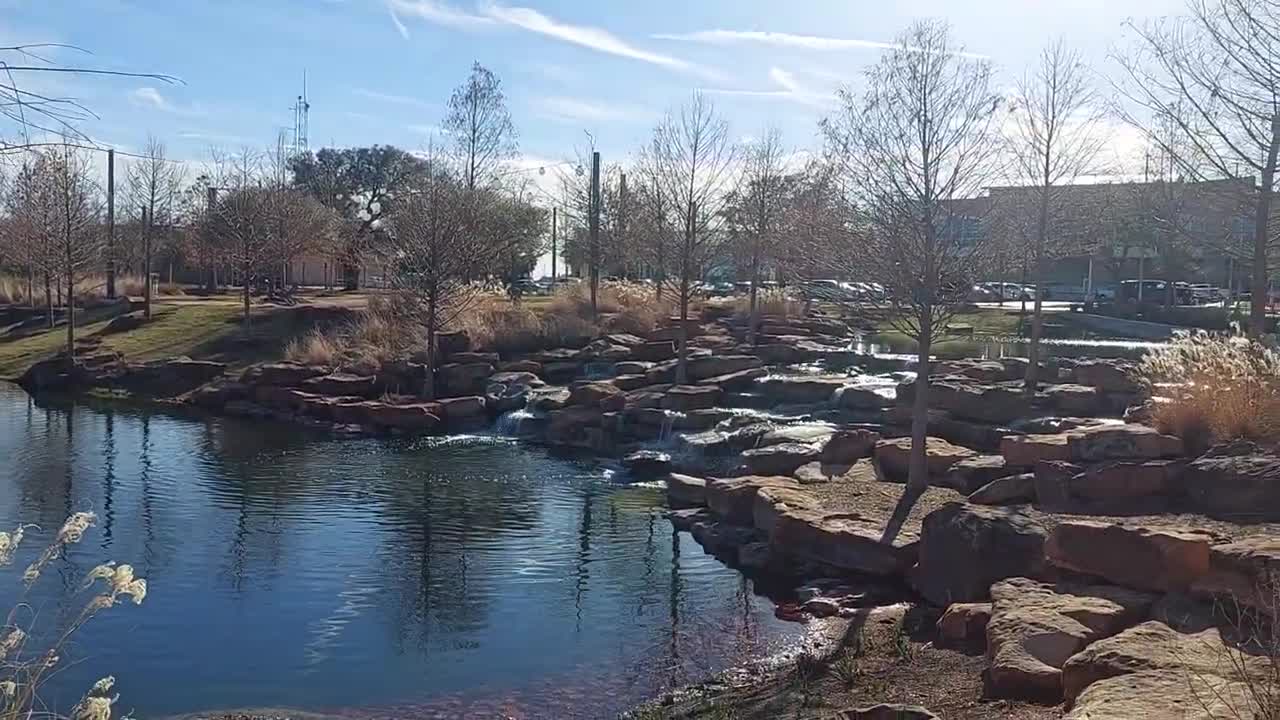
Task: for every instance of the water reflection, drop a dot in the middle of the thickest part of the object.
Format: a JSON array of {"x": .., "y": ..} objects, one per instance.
[{"x": 405, "y": 578}]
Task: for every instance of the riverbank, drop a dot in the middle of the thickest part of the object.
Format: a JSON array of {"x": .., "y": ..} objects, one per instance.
[{"x": 785, "y": 458}]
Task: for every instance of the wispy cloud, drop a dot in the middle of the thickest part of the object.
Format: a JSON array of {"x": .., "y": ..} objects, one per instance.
[
  {"x": 576, "y": 110},
  {"x": 392, "y": 98},
  {"x": 422, "y": 129},
  {"x": 788, "y": 89},
  {"x": 214, "y": 138},
  {"x": 433, "y": 11},
  {"x": 786, "y": 40},
  {"x": 150, "y": 98}
]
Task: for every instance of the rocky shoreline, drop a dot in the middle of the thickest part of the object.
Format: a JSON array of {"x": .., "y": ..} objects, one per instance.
[{"x": 1072, "y": 543}]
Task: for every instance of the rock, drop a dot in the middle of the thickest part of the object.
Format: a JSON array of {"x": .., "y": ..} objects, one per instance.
[
  {"x": 801, "y": 389},
  {"x": 772, "y": 502},
  {"x": 1027, "y": 450},
  {"x": 1242, "y": 488},
  {"x": 167, "y": 378},
  {"x": 654, "y": 351},
  {"x": 417, "y": 417},
  {"x": 989, "y": 371},
  {"x": 1135, "y": 557},
  {"x": 451, "y": 343},
  {"x": 341, "y": 385},
  {"x": 1246, "y": 572},
  {"x": 521, "y": 366},
  {"x": 1119, "y": 481},
  {"x": 965, "y": 624},
  {"x": 547, "y": 399},
  {"x": 854, "y": 397},
  {"x": 987, "y": 403},
  {"x": 965, "y": 548},
  {"x": 1158, "y": 695},
  {"x": 647, "y": 463},
  {"x": 464, "y": 377},
  {"x": 719, "y": 365},
  {"x": 740, "y": 380},
  {"x": 781, "y": 459},
  {"x": 754, "y": 555},
  {"x": 631, "y": 367},
  {"x": 972, "y": 473},
  {"x": 284, "y": 374},
  {"x": 1035, "y": 628},
  {"x": 1008, "y": 490},
  {"x": 589, "y": 393},
  {"x": 561, "y": 371},
  {"x": 517, "y": 377},
  {"x": 576, "y": 426},
  {"x": 777, "y": 353},
  {"x": 817, "y": 472},
  {"x": 691, "y": 397},
  {"x": 1154, "y": 646},
  {"x": 462, "y": 408},
  {"x": 604, "y": 351},
  {"x": 1106, "y": 375},
  {"x": 474, "y": 358},
  {"x": 733, "y": 499},
  {"x": 847, "y": 541},
  {"x": 821, "y": 607},
  {"x": 893, "y": 456},
  {"x": 1070, "y": 398},
  {"x": 887, "y": 711},
  {"x": 216, "y": 395},
  {"x": 848, "y": 446},
  {"x": 686, "y": 491},
  {"x": 1121, "y": 442},
  {"x": 806, "y": 433}
]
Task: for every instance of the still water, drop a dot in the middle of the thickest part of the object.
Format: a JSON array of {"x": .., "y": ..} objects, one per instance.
[{"x": 463, "y": 577}]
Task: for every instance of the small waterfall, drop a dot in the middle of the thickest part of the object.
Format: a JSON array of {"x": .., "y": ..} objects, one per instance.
[
  {"x": 668, "y": 425},
  {"x": 508, "y": 423}
]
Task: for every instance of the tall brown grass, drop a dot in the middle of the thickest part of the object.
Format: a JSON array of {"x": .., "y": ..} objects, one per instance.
[
  {"x": 14, "y": 290},
  {"x": 1217, "y": 389},
  {"x": 623, "y": 306},
  {"x": 773, "y": 302},
  {"x": 24, "y": 668}
]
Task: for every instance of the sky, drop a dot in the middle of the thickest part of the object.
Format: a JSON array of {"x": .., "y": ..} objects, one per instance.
[{"x": 381, "y": 71}]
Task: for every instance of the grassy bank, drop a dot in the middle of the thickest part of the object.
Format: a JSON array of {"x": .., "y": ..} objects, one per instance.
[{"x": 209, "y": 330}]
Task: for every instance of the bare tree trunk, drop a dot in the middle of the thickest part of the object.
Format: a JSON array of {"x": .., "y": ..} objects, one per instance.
[
  {"x": 146, "y": 263},
  {"x": 918, "y": 469},
  {"x": 429, "y": 382},
  {"x": 71, "y": 308},
  {"x": 1037, "y": 315},
  {"x": 245, "y": 296},
  {"x": 753, "y": 316},
  {"x": 1261, "y": 219},
  {"x": 48, "y": 298}
]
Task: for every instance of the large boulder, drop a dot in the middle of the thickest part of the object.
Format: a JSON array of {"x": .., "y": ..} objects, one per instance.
[
  {"x": 849, "y": 541},
  {"x": 1118, "y": 486},
  {"x": 1245, "y": 572},
  {"x": 987, "y": 403},
  {"x": 887, "y": 711},
  {"x": 893, "y": 456},
  {"x": 965, "y": 548},
  {"x": 1110, "y": 376},
  {"x": 654, "y": 351},
  {"x": 1154, "y": 646},
  {"x": 1078, "y": 399},
  {"x": 459, "y": 377},
  {"x": 772, "y": 501},
  {"x": 647, "y": 463},
  {"x": 988, "y": 371},
  {"x": 686, "y": 491},
  {"x": 974, "y": 472},
  {"x": 801, "y": 389},
  {"x": 547, "y": 399},
  {"x": 1025, "y": 451},
  {"x": 596, "y": 394},
  {"x": 717, "y": 365},
  {"x": 1136, "y": 557},
  {"x": 1159, "y": 695},
  {"x": 965, "y": 624},
  {"x": 1244, "y": 487},
  {"x": 739, "y": 380},
  {"x": 782, "y": 459},
  {"x": 577, "y": 426},
  {"x": 417, "y": 417},
  {"x": 855, "y": 397},
  {"x": 1035, "y": 628},
  {"x": 285, "y": 374},
  {"x": 733, "y": 499},
  {"x": 1007, "y": 490},
  {"x": 849, "y": 446},
  {"x": 691, "y": 397},
  {"x": 1121, "y": 441},
  {"x": 461, "y": 409}
]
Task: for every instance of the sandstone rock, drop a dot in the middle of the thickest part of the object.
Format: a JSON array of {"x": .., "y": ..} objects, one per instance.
[
  {"x": 861, "y": 398},
  {"x": 1235, "y": 487},
  {"x": 848, "y": 446},
  {"x": 893, "y": 456},
  {"x": 806, "y": 433},
  {"x": 1114, "y": 483},
  {"x": 1027, "y": 450},
  {"x": 1154, "y": 646},
  {"x": 647, "y": 463},
  {"x": 654, "y": 351},
  {"x": 821, "y": 607},
  {"x": 887, "y": 711},
  {"x": 989, "y": 371},
  {"x": 215, "y": 395},
  {"x": 801, "y": 389},
  {"x": 691, "y": 397},
  {"x": 1052, "y": 478},
  {"x": 965, "y": 548},
  {"x": 461, "y": 377},
  {"x": 517, "y": 377},
  {"x": 1008, "y": 490},
  {"x": 781, "y": 459},
  {"x": 777, "y": 353},
  {"x": 595, "y": 393},
  {"x": 561, "y": 371},
  {"x": 547, "y": 399},
  {"x": 340, "y": 384},
  {"x": 988, "y": 403},
  {"x": 1106, "y": 375},
  {"x": 686, "y": 491},
  {"x": 1035, "y": 628},
  {"x": 718, "y": 365},
  {"x": 1135, "y": 557},
  {"x": 462, "y": 408},
  {"x": 1246, "y": 572},
  {"x": 575, "y": 426},
  {"x": 965, "y": 624},
  {"x": 1120, "y": 442},
  {"x": 972, "y": 473},
  {"x": 631, "y": 367},
  {"x": 474, "y": 358},
  {"x": 740, "y": 380},
  {"x": 1081, "y": 399},
  {"x": 733, "y": 499},
  {"x": 755, "y": 555},
  {"x": 417, "y": 417},
  {"x": 1160, "y": 695},
  {"x": 817, "y": 472},
  {"x": 521, "y": 366},
  {"x": 285, "y": 374},
  {"x": 848, "y": 541},
  {"x": 772, "y": 501}
]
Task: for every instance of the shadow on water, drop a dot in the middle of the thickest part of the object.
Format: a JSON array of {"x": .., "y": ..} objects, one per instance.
[{"x": 374, "y": 577}]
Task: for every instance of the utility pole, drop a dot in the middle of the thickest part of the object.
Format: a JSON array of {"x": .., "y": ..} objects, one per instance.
[
  {"x": 554, "y": 216},
  {"x": 594, "y": 203},
  {"x": 111, "y": 224},
  {"x": 146, "y": 263}
]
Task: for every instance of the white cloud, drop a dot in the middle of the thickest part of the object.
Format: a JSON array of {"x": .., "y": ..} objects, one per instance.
[
  {"x": 588, "y": 37},
  {"x": 422, "y": 129},
  {"x": 784, "y": 40},
  {"x": 149, "y": 97},
  {"x": 433, "y": 11},
  {"x": 392, "y": 98},
  {"x": 578, "y": 110},
  {"x": 791, "y": 90}
]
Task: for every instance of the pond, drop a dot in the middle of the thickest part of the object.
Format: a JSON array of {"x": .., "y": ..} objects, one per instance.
[{"x": 446, "y": 577}]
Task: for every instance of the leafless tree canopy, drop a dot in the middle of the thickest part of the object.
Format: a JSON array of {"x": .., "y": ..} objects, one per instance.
[
  {"x": 481, "y": 126},
  {"x": 756, "y": 211}
]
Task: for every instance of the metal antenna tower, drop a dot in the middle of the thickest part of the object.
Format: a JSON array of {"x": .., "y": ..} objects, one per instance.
[{"x": 301, "y": 117}]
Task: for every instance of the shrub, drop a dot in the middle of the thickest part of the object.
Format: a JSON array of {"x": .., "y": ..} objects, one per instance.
[
  {"x": 23, "y": 669},
  {"x": 1215, "y": 389},
  {"x": 774, "y": 302},
  {"x": 315, "y": 348}
]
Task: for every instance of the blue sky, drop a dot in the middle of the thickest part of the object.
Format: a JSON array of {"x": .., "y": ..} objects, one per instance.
[{"x": 380, "y": 71}]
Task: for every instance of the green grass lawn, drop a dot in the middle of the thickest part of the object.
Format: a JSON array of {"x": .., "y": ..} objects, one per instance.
[{"x": 205, "y": 330}]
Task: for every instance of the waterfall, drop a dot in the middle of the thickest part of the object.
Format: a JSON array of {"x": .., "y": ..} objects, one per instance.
[
  {"x": 508, "y": 423},
  {"x": 669, "y": 419}
]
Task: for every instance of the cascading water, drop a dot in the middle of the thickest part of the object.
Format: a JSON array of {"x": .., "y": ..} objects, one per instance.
[{"x": 508, "y": 423}]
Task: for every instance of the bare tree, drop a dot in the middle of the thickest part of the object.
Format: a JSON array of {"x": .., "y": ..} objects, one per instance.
[
  {"x": 153, "y": 185},
  {"x": 1214, "y": 76},
  {"x": 480, "y": 125},
  {"x": 756, "y": 212},
  {"x": 78, "y": 239},
  {"x": 30, "y": 228},
  {"x": 690, "y": 164},
  {"x": 1055, "y": 138},
  {"x": 912, "y": 151}
]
